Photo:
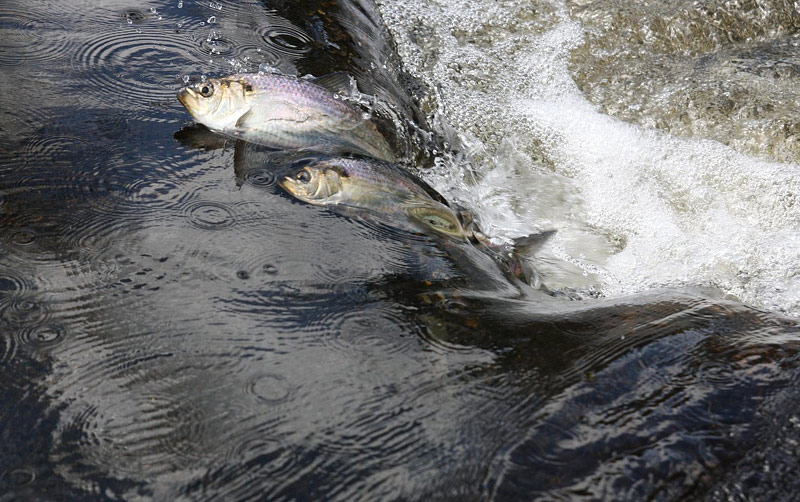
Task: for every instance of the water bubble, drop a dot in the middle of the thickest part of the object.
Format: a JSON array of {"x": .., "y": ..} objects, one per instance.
[
  {"x": 180, "y": 4},
  {"x": 212, "y": 20},
  {"x": 134, "y": 16},
  {"x": 215, "y": 5}
]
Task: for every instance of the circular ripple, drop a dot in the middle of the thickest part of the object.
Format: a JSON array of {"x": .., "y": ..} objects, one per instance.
[
  {"x": 209, "y": 215},
  {"x": 30, "y": 37},
  {"x": 8, "y": 348},
  {"x": 257, "y": 454},
  {"x": 138, "y": 434},
  {"x": 53, "y": 148},
  {"x": 269, "y": 388},
  {"x": 46, "y": 335},
  {"x": 132, "y": 66},
  {"x": 217, "y": 46},
  {"x": 260, "y": 178},
  {"x": 12, "y": 286},
  {"x": 286, "y": 39},
  {"x": 21, "y": 312},
  {"x": 27, "y": 245},
  {"x": 22, "y": 237},
  {"x": 373, "y": 330},
  {"x": 19, "y": 477}
]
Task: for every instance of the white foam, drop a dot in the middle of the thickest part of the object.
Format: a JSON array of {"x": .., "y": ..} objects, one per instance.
[{"x": 635, "y": 208}]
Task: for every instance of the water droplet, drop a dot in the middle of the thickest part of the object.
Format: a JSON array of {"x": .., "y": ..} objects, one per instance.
[
  {"x": 242, "y": 274},
  {"x": 215, "y": 5},
  {"x": 212, "y": 20},
  {"x": 269, "y": 269},
  {"x": 180, "y": 4}
]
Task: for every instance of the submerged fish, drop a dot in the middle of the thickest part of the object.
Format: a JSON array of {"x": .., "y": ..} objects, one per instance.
[
  {"x": 285, "y": 112},
  {"x": 390, "y": 191}
]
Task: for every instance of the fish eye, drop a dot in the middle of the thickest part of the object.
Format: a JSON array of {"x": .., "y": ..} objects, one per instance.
[
  {"x": 207, "y": 89},
  {"x": 303, "y": 176}
]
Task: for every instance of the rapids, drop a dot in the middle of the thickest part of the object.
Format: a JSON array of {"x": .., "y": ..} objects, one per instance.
[{"x": 660, "y": 139}]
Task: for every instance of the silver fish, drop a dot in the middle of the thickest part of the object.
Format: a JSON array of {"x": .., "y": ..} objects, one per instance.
[
  {"x": 377, "y": 187},
  {"x": 285, "y": 112},
  {"x": 391, "y": 192}
]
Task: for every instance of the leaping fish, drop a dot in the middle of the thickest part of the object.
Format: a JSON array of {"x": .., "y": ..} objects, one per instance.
[{"x": 286, "y": 112}]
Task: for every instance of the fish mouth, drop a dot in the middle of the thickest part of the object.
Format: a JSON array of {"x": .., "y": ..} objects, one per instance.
[
  {"x": 187, "y": 96},
  {"x": 288, "y": 184}
]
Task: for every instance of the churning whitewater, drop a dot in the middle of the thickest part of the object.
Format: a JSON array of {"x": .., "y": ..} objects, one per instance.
[{"x": 638, "y": 203}]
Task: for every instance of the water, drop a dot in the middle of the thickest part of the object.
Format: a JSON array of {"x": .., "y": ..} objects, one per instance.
[
  {"x": 658, "y": 139},
  {"x": 173, "y": 326}
]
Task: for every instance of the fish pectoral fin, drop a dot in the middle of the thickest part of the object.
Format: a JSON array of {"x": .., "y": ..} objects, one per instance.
[
  {"x": 532, "y": 243},
  {"x": 338, "y": 83},
  {"x": 243, "y": 119}
]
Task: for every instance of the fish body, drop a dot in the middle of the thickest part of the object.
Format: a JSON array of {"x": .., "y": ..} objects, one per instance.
[
  {"x": 285, "y": 112},
  {"x": 388, "y": 190},
  {"x": 374, "y": 186}
]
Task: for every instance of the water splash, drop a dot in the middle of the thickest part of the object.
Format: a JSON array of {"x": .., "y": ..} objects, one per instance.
[{"x": 635, "y": 209}]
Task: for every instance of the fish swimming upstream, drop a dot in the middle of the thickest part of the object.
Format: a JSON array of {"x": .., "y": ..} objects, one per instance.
[
  {"x": 390, "y": 192},
  {"x": 378, "y": 187},
  {"x": 285, "y": 112}
]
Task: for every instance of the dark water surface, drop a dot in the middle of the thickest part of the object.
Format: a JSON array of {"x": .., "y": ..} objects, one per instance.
[{"x": 174, "y": 327}]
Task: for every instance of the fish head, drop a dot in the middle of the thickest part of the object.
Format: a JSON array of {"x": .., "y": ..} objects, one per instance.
[
  {"x": 318, "y": 184},
  {"x": 218, "y": 103}
]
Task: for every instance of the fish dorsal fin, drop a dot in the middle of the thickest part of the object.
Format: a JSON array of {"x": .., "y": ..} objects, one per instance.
[
  {"x": 338, "y": 83},
  {"x": 532, "y": 243}
]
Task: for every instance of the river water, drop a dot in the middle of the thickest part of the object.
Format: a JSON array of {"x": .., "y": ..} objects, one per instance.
[{"x": 173, "y": 326}]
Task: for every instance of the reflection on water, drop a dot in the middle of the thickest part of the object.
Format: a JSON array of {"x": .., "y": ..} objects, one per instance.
[{"x": 175, "y": 326}]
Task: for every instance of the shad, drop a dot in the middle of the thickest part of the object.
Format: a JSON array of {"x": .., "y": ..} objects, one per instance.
[
  {"x": 389, "y": 192},
  {"x": 285, "y": 112}
]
